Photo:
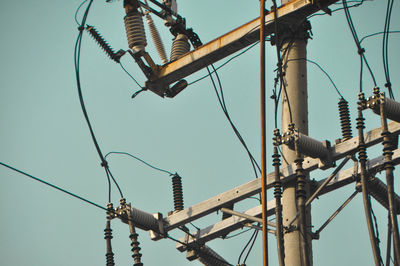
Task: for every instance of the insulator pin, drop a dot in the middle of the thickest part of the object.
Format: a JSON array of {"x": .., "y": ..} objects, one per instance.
[
  {"x": 392, "y": 108},
  {"x": 143, "y": 220},
  {"x": 180, "y": 46},
  {"x": 135, "y": 31},
  {"x": 177, "y": 192},
  {"x": 156, "y": 39},
  {"x": 345, "y": 121}
]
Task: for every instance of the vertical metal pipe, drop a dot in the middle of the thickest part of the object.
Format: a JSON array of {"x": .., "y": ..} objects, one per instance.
[
  {"x": 301, "y": 195},
  {"x": 388, "y": 165},
  {"x": 263, "y": 134},
  {"x": 362, "y": 157}
]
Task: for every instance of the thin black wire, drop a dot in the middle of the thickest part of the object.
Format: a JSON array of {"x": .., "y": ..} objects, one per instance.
[
  {"x": 251, "y": 247},
  {"x": 360, "y": 50},
  {"x": 140, "y": 160},
  {"x": 326, "y": 74},
  {"x": 247, "y": 244},
  {"x": 221, "y": 101},
  {"x": 225, "y": 63},
  {"x": 53, "y": 186},
  {"x": 77, "y": 53}
]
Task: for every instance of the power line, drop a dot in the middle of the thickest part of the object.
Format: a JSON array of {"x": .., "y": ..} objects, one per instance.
[
  {"x": 77, "y": 53},
  {"x": 377, "y": 33},
  {"x": 53, "y": 186},
  {"x": 140, "y": 160},
  {"x": 360, "y": 50},
  {"x": 326, "y": 73}
]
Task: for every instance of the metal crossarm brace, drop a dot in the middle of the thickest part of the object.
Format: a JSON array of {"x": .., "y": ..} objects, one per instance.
[
  {"x": 253, "y": 187},
  {"x": 233, "y": 223}
]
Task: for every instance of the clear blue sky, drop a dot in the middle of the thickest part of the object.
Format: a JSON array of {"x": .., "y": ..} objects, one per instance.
[{"x": 43, "y": 131}]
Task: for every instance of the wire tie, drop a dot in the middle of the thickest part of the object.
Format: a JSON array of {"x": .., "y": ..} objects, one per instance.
[
  {"x": 104, "y": 164},
  {"x": 388, "y": 85},
  {"x": 81, "y": 28},
  {"x": 361, "y": 51}
]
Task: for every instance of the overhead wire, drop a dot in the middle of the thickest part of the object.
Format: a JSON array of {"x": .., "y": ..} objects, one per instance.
[
  {"x": 326, "y": 73},
  {"x": 77, "y": 53},
  {"x": 140, "y": 160},
  {"x": 377, "y": 33},
  {"x": 53, "y": 186},
  {"x": 360, "y": 50},
  {"x": 221, "y": 100},
  {"x": 385, "y": 47}
]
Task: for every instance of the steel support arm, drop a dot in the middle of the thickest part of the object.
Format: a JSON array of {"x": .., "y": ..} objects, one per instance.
[
  {"x": 232, "y": 42},
  {"x": 253, "y": 187},
  {"x": 233, "y": 223}
]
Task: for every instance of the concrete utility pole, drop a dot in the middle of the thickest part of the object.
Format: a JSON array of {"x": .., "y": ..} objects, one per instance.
[{"x": 294, "y": 110}]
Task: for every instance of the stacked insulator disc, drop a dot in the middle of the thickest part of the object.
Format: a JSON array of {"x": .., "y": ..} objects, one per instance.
[
  {"x": 156, "y": 39},
  {"x": 345, "y": 122},
  {"x": 135, "y": 31},
  {"x": 178, "y": 192},
  {"x": 180, "y": 46}
]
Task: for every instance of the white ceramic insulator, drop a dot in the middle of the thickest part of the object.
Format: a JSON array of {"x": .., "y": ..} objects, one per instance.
[
  {"x": 180, "y": 46},
  {"x": 156, "y": 39},
  {"x": 135, "y": 31}
]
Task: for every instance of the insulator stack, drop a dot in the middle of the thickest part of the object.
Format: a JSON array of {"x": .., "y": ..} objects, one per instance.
[
  {"x": 392, "y": 108},
  {"x": 156, "y": 39},
  {"x": 133, "y": 235},
  {"x": 177, "y": 192},
  {"x": 276, "y": 162},
  {"x": 135, "y": 31},
  {"x": 180, "y": 46},
  {"x": 108, "y": 236},
  {"x": 136, "y": 249},
  {"x": 345, "y": 121},
  {"x": 103, "y": 44}
]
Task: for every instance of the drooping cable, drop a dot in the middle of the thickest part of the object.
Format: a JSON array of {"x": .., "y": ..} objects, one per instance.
[
  {"x": 323, "y": 71},
  {"x": 77, "y": 53},
  {"x": 53, "y": 186},
  {"x": 385, "y": 47},
  {"x": 221, "y": 101},
  {"x": 140, "y": 160},
  {"x": 245, "y": 247},
  {"x": 77, "y": 11},
  {"x": 360, "y": 50}
]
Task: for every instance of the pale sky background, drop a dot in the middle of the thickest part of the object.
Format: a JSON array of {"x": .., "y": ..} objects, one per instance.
[{"x": 43, "y": 131}]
